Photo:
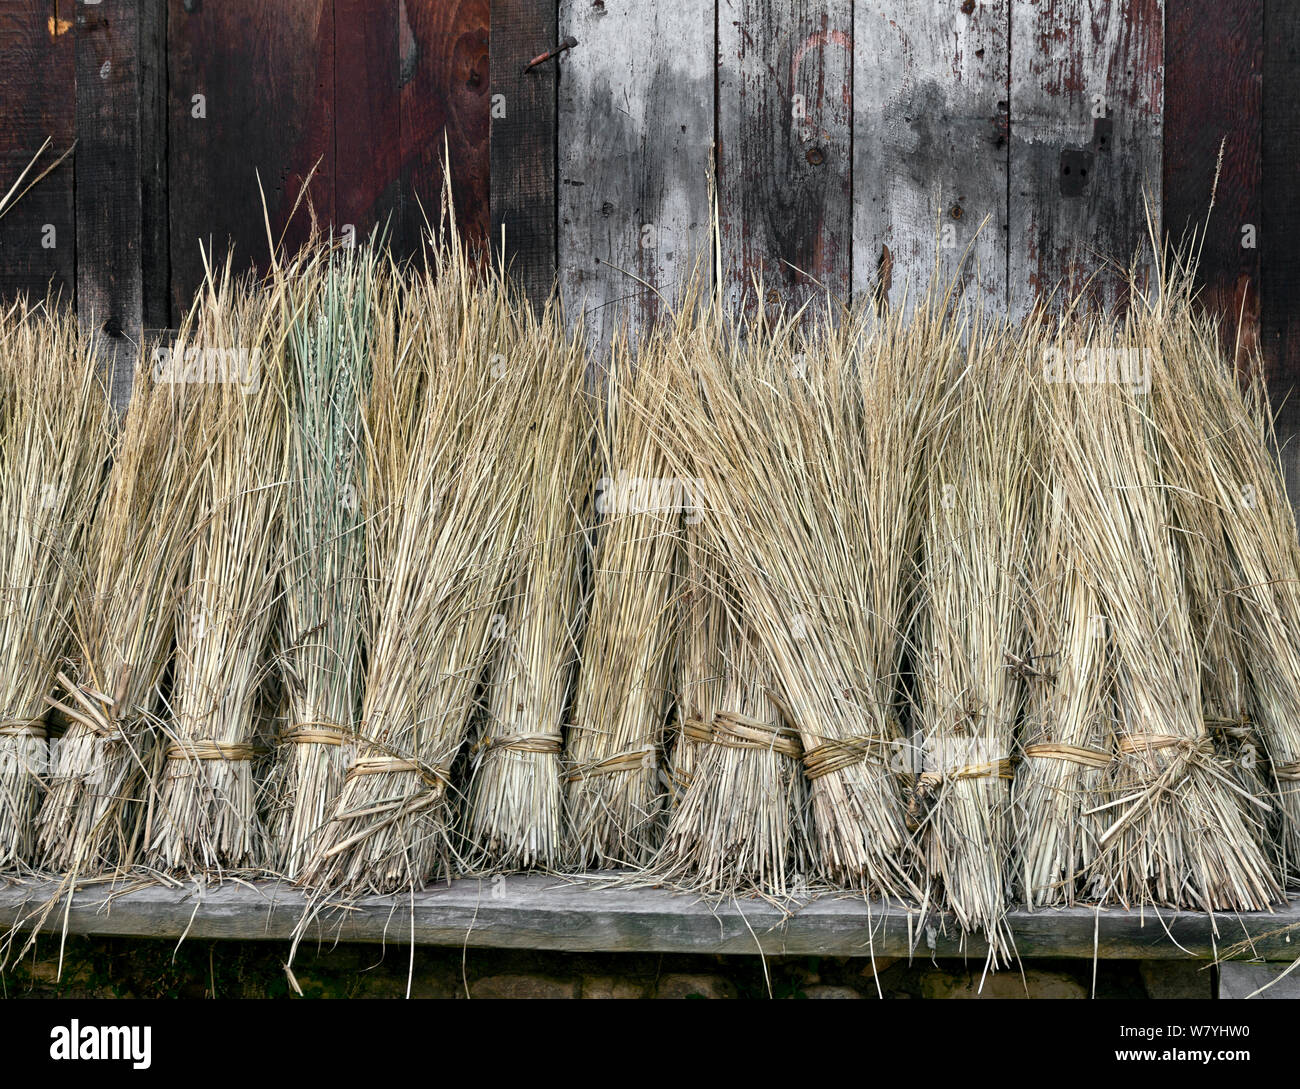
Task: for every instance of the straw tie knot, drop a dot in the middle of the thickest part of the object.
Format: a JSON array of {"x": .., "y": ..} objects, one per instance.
[
  {"x": 643, "y": 757},
  {"x": 322, "y": 732},
  {"x": 435, "y": 777},
  {"x": 539, "y": 742},
  {"x": 1287, "y": 773},
  {"x": 206, "y": 748},
  {"x": 925, "y": 793},
  {"x": 1072, "y": 754},
  {"x": 837, "y": 754},
  {"x": 23, "y": 727}
]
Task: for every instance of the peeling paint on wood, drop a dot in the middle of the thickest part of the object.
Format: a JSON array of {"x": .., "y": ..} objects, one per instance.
[
  {"x": 930, "y": 146},
  {"x": 1087, "y": 106},
  {"x": 636, "y": 115},
  {"x": 785, "y": 109}
]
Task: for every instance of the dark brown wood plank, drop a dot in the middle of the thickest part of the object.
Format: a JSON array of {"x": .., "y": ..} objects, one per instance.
[
  {"x": 367, "y": 130},
  {"x": 522, "y": 109},
  {"x": 155, "y": 256},
  {"x": 38, "y": 235},
  {"x": 1086, "y": 139},
  {"x": 1214, "y": 61},
  {"x": 785, "y": 148},
  {"x": 265, "y": 72},
  {"x": 109, "y": 289},
  {"x": 539, "y": 912},
  {"x": 1280, "y": 232},
  {"x": 635, "y": 130},
  {"x": 443, "y": 46},
  {"x": 930, "y": 147}
]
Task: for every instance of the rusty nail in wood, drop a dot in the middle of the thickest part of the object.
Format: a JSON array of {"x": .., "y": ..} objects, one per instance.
[
  {"x": 955, "y": 211},
  {"x": 568, "y": 43},
  {"x": 815, "y": 156}
]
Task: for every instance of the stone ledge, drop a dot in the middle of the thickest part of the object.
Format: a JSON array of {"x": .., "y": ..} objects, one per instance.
[{"x": 549, "y": 913}]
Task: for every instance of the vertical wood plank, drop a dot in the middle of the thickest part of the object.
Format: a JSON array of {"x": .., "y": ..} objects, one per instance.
[
  {"x": 1086, "y": 141},
  {"x": 1214, "y": 59},
  {"x": 367, "y": 130},
  {"x": 38, "y": 235},
  {"x": 443, "y": 46},
  {"x": 155, "y": 256},
  {"x": 930, "y": 146},
  {"x": 785, "y": 147},
  {"x": 109, "y": 290},
  {"x": 264, "y": 74},
  {"x": 523, "y": 119},
  {"x": 636, "y": 125},
  {"x": 1280, "y": 234}
]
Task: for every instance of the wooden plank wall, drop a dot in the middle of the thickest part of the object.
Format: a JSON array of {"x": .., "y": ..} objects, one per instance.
[
  {"x": 930, "y": 147},
  {"x": 785, "y": 149},
  {"x": 635, "y": 133},
  {"x": 1086, "y": 143},
  {"x": 847, "y": 132},
  {"x": 38, "y": 238}
]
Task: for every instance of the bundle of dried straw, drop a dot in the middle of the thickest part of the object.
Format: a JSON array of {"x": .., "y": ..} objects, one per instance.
[{"x": 55, "y": 429}]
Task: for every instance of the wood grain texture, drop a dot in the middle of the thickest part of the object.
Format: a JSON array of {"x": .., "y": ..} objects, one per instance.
[
  {"x": 539, "y": 912},
  {"x": 636, "y": 126},
  {"x": 1280, "y": 234},
  {"x": 1086, "y": 143},
  {"x": 266, "y": 71},
  {"x": 785, "y": 148},
  {"x": 367, "y": 130},
  {"x": 1214, "y": 61},
  {"x": 523, "y": 124},
  {"x": 155, "y": 248},
  {"x": 930, "y": 146},
  {"x": 109, "y": 287},
  {"x": 38, "y": 235},
  {"x": 443, "y": 76}
]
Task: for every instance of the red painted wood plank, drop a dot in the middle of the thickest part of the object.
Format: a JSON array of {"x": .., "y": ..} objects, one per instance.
[
  {"x": 443, "y": 57},
  {"x": 251, "y": 92},
  {"x": 1214, "y": 61},
  {"x": 38, "y": 236},
  {"x": 367, "y": 129}
]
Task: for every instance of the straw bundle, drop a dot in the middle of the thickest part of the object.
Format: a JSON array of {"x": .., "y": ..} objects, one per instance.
[
  {"x": 123, "y": 626},
  {"x": 514, "y": 815},
  {"x": 1069, "y": 718},
  {"x": 741, "y": 799},
  {"x": 971, "y": 632},
  {"x": 55, "y": 426},
  {"x": 323, "y": 615},
  {"x": 1243, "y": 558},
  {"x": 615, "y": 794},
  {"x": 204, "y": 816},
  {"x": 440, "y": 569},
  {"x": 807, "y": 457},
  {"x": 1174, "y": 830}
]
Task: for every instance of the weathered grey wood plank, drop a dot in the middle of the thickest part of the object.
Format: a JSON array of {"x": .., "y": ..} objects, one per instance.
[
  {"x": 785, "y": 148},
  {"x": 1087, "y": 107},
  {"x": 930, "y": 146},
  {"x": 110, "y": 296},
  {"x": 536, "y": 912},
  {"x": 635, "y": 134}
]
